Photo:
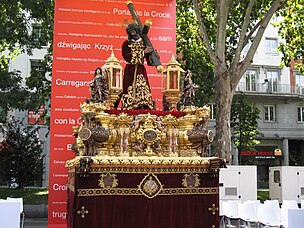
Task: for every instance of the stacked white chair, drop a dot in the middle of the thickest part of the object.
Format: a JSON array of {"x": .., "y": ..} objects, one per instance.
[
  {"x": 248, "y": 213},
  {"x": 229, "y": 212},
  {"x": 286, "y": 205},
  {"x": 20, "y": 201},
  {"x": 269, "y": 213}
]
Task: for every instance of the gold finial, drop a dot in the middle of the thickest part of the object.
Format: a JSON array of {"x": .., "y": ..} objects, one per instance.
[
  {"x": 129, "y": 2},
  {"x": 173, "y": 61},
  {"x": 112, "y": 58}
]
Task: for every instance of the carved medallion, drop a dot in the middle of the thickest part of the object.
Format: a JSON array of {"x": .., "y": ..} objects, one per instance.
[
  {"x": 150, "y": 186},
  {"x": 191, "y": 180},
  {"x": 108, "y": 181},
  {"x": 150, "y": 135},
  {"x": 85, "y": 133}
]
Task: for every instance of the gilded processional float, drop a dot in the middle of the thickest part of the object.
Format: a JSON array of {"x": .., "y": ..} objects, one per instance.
[{"x": 136, "y": 166}]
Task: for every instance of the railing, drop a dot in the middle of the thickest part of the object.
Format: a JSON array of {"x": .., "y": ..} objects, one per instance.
[{"x": 270, "y": 88}]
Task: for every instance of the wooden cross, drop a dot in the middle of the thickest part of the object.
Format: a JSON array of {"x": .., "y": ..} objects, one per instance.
[{"x": 144, "y": 34}]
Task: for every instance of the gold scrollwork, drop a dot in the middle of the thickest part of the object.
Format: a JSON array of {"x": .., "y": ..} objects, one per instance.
[
  {"x": 161, "y": 161},
  {"x": 145, "y": 170}
]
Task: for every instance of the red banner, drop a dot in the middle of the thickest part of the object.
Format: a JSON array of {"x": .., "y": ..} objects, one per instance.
[{"x": 85, "y": 34}]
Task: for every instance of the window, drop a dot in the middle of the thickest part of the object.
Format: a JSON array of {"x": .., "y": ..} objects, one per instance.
[
  {"x": 37, "y": 34},
  {"x": 299, "y": 79},
  {"x": 271, "y": 45},
  {"x": 269, "y": 113},
  {"x": 276, "y": 176},
  {"x": 251, "y": 80},
  {"x": 273, "y": 79},
  {"x": 300, "y": 114},
  {"x": 36, "y": 65},
  {"x": 212, "y": 111}
]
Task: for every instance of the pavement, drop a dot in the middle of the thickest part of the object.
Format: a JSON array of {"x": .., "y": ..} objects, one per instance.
[
  {"x": 35, "y": 216},
  {"x": 35, "y": 222}
]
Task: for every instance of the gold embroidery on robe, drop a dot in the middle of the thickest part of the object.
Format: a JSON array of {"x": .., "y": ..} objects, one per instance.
[
  {"x": 138, "y": 95},
  {"x": 137, "y": 49}
]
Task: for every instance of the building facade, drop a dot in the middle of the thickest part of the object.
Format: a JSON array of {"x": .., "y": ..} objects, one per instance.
[{"x": 278, "y": 92}]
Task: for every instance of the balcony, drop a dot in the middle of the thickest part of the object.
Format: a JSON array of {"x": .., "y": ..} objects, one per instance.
[{"x": 268, "y": 88}]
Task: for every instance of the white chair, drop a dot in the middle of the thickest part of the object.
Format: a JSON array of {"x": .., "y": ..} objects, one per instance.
[
  {"x": 286, "y": 205},
  {"x": 269, "y": 214},
  {"x": 229, "y": 212},
  {"x": 274, "y": 204},
  {"x": 20, "y": 200},
  {"x": 9, "y": 214},
  {"x": 248, "y": 213},
  {"x": 257, "y": 202},
  {"x": 292, "y": 204},
  {"x": 295, "y": 218},
  {"x": 302, "y": 204}
]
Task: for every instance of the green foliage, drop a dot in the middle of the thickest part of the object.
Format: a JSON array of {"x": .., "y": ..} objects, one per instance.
[
  {"x": 12, "y": 92},
  {"x": 192, "y": 54},
  {"x": 17, "y": 18},
  {"x": 188, "y": 27},
  {"x": 291, "y": 29},
  {"x": 244, "y": 123},
  {"x": 21, "y": 159},
  {"x": 263, "y": 195},
  {"x": 31, "y": 196}
]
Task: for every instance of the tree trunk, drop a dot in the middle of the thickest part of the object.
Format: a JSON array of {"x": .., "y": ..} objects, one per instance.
[{"x": 224, "y": 95}]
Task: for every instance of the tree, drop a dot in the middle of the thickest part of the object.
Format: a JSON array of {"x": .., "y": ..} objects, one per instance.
[
  {"x": 12, "y": 92},
  {"x": 21, "y": 159},
  {"x": 192, "y": 55},
  {"x": 224, "y": 28},
  {"x": 244, "y": 123},
  {"x": 291, "y": 28},
  {"x": 16, "y": 37}
]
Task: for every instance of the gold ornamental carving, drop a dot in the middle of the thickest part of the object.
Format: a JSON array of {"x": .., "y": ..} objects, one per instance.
[
  {"x": 142, "y": 134},
  {"x": 150, "y": 186},
  {"x": 191, "y": 180},
  {"x": 139, "y": 192},
  {"x": 108, "y": 180},
  {"x": 161, "y": 162},
  {"x": 213, "y": 209},
  {"x": 83, "y": 212}
]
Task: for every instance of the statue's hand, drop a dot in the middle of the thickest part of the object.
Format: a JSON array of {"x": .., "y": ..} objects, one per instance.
[{"x": 148, "y": 50}]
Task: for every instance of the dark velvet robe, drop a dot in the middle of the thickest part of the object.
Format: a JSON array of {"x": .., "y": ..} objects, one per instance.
[{"x": 136, "y": 90}]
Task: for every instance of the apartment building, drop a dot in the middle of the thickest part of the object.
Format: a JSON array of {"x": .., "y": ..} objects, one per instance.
[{"x": 279, "y": 95}]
